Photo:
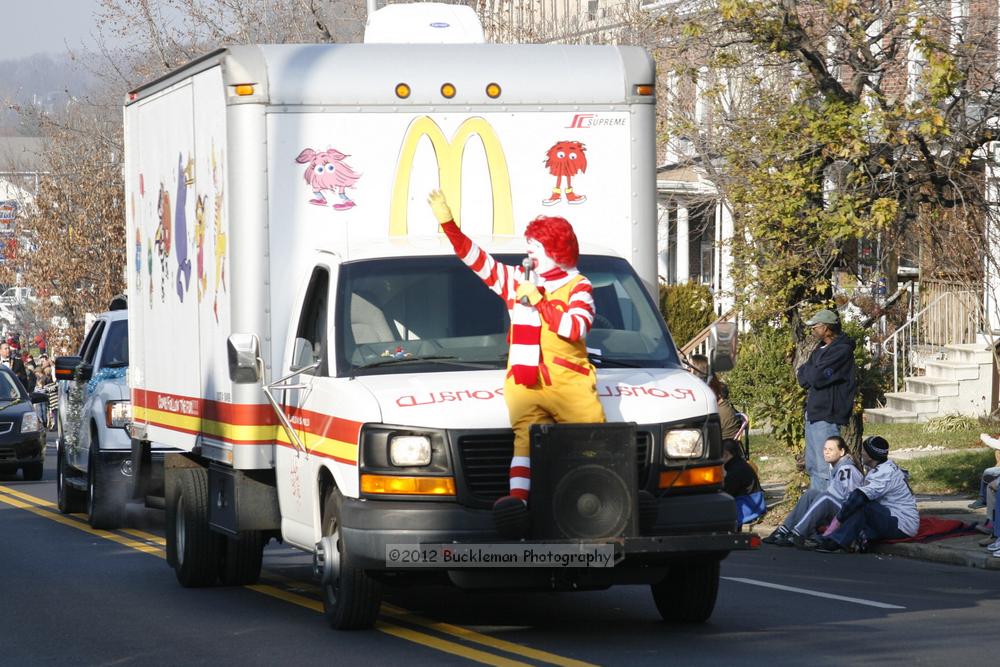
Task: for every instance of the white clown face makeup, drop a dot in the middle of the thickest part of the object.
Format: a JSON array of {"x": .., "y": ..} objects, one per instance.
[{"x": 536, "y": 253}]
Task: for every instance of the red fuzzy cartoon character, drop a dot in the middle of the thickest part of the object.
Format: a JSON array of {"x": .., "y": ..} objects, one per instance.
[{"x": 566, "y": 158}]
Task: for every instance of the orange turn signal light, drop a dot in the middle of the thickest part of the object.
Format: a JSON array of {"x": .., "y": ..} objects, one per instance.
[
  {"x": 408, "y": 486},
  {"x": 644, "y": 89},
  {"x": 703, "y": 476},
  {"x": 243, "y": 89}
]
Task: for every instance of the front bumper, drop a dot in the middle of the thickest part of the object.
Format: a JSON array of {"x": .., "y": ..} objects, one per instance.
[
  {"x": 20, "y": 448},
  {"x": 686, "y": 526}
]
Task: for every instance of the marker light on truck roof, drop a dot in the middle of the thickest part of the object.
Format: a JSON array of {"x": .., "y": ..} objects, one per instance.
[
  {"x": 402, "y": 91},
  {"x": 644, "y": 89},
  {"x": 448, "y": 90},
  {"x": 243, "y": 89},
  {"x": 493, "y": 90},
  {"x": 407, "y": 486}
]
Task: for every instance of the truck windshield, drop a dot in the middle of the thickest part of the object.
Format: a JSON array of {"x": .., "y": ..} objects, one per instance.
[
  {"x": 419, "y": 314},
  {"x": 115, "y": 352}
]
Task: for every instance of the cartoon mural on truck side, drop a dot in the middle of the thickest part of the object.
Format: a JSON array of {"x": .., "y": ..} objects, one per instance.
[
  {"x": 162, "y": 239},
  {"x": 327, "y": 170},
  {"x": 185, "y": 177},
  {"x": 199, "y": 244},
  {"x": 565, "y": 159},
  {"x": 219, "y": 236}
]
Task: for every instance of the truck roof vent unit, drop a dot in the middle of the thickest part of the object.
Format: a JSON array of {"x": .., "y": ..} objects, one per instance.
[{"x": 424, "y": 23}]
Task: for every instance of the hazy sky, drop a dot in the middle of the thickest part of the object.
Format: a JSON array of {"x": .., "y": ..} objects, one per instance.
[{"x": 46, "y": 26}]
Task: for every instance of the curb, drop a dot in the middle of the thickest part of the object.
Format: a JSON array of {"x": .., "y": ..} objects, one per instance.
[{"x": 968, "y": 553}]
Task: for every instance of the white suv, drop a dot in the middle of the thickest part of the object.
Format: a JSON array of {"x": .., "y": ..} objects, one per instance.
[{"x": 94, "y": 449}]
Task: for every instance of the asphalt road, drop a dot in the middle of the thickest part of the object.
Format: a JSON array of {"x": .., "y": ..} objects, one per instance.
[{"x": 71, "y": 595}]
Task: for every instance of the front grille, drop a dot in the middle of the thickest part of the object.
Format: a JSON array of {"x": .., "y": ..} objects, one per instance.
[
  {"x": 486, "y": 458},
  {"x": 5, "y": 427},
  {"x": 486, "y": 464},
  {"x": 7, "y": 455}
]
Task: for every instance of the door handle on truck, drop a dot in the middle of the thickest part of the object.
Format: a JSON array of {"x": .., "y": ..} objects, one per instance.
[{"x": 282, "y": 417}]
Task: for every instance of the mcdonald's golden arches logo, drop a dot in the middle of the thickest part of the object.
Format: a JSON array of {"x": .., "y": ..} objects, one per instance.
[{"x": 449, "y": 156}]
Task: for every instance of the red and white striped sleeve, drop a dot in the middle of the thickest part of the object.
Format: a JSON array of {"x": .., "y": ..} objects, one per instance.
[
  {"x": 500, "y": 278},
  {"x": 575, "y": 323}
]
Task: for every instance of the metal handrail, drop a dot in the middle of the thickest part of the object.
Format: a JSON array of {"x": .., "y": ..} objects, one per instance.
[
  {"x": 702, "y": 335},
  {"x": 907, "y": 336}
]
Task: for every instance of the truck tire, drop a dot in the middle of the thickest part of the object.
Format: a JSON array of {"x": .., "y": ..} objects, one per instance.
[
  {"x": 687, "y": 594},
  {"x": 32, "y": 471},
  {"x": 193, "y": 549},
  {"x": 352, "y": 600},
  {"x": 241, "y": 558},
  {"x": 69, "y": 498},
  {"x": 106, "y": 496}
]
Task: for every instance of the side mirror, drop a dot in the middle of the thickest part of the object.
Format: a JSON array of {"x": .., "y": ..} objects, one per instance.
[
  {"x": 66, "y": 366},
  {"x": 244, "y": 351},
  {"x": 39, "y": 397},
  {"x": 722, "y": 346}
]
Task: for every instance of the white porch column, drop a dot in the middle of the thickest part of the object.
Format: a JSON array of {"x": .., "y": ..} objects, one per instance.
[
  {"x": 681, "y": 263},
  {"x": 663, "y": 241},
  {"x": 991, "y": 270},
  {"x": 724, "y": 225}
]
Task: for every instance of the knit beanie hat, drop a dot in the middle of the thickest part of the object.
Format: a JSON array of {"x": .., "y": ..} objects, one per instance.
[{"x": 876, "y": 447}]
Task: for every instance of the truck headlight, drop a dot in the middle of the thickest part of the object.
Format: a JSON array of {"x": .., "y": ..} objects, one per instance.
[
  {"x": 29, "y": 422},
  {"x": 683, "y": 444},
  {"x": 118, "y": 413},
  {"x": 410, "y": 450}
]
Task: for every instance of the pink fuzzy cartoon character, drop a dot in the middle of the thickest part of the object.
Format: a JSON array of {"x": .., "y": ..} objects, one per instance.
[{"x": 328, "y": 171}]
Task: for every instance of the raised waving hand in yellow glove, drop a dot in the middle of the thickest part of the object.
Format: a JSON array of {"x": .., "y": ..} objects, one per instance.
[
  {"x": 529, "y": 291},
  {"x": 440, "y": 206}
]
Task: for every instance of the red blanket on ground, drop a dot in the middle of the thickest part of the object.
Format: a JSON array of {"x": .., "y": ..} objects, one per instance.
[{"x": 934, "y": 528}]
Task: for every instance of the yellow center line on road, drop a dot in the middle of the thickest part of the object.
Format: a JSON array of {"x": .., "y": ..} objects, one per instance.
[
  {"x": 480, "y": 638},
  {"x": 46, "y": 510},
  {"x": 143, "y": 535},
  {"x": 79, "y": 525}
]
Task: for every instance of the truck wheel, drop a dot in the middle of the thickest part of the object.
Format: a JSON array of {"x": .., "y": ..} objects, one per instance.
[
  {"x": 70, "y": 499},
  {"x": 351, "y": 598},
  {"x": 241, "y": 557},
  {"x": 32, "y": 471},
  {"x": 105, "y": 494},
  {"x": 687, "y": 594},
  {"x": 192, "y": 548}
]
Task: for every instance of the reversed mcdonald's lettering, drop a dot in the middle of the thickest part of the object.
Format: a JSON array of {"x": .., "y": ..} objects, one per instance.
[{"x": 449, "y": 155}]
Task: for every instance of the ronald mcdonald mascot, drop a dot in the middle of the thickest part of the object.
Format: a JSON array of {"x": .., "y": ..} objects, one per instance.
[{"x": 549, "y": 377}]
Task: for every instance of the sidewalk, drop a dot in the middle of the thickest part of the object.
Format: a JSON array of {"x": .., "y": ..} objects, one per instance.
[{"x": 953, "y": 550}]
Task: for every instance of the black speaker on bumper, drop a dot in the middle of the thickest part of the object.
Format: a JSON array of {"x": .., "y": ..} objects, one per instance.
[{"x": 583, "y": 481}]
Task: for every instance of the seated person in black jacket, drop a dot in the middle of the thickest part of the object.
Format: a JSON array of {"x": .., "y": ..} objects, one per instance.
[{"x": 740, "y": 478}]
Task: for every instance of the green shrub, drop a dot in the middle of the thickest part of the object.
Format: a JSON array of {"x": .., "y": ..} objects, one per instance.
[
  {"x": 687, "y": 309},
  {"x": 763, "y": 385}
]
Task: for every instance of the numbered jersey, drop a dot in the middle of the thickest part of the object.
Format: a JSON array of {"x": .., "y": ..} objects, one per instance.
[{"x": 844, "y": 478}]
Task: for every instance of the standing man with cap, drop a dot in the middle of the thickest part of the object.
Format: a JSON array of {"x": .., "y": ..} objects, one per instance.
[
  {"x": 828, "y": 377},
  {"x": 883, "y": 508}
]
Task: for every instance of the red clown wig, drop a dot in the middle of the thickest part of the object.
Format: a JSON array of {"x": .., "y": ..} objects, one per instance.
[{"x": 557, "y": 237}]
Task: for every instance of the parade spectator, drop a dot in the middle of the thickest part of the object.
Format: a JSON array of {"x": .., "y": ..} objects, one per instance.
[
  {"x": 814, "y": 508},
  {"x": 11, "y": 360},
  {"x": 828, "y": 377},
  {"x": 728, "y": 420},
  {"x": 741, "y": 482},
  {"x": 882, "y": 508}
]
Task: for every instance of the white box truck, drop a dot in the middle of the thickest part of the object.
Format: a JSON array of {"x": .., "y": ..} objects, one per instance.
[{"x": 300, "y": 326}]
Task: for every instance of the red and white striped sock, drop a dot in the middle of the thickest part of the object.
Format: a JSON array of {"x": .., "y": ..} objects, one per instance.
[{"x": 520, "y": 477}]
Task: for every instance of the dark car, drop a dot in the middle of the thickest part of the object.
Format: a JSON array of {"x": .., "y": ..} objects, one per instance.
[{"x": 22, "y": 434}]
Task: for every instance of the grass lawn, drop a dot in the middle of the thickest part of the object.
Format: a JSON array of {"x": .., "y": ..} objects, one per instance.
[{"x": 952, "y": 472}]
